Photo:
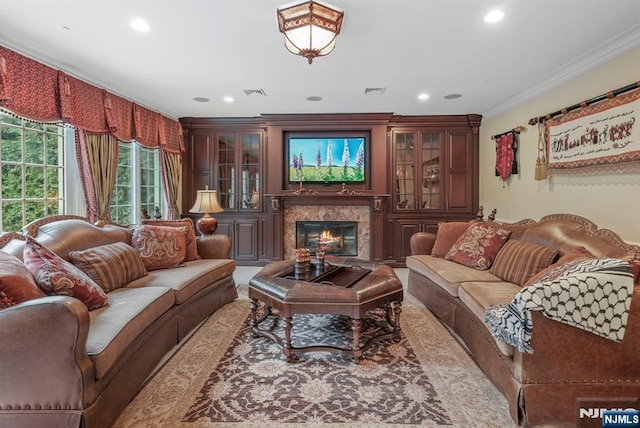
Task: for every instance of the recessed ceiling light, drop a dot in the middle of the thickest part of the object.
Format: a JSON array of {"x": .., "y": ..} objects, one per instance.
[
  {"x": 493, "y": 16},
  {"x": 201, "y": 99},
  {"x": 228, "y": 99},
  {"x": 314, "y": 98},
  {"x": 423, "y": 96},
  {"x": 452, "y": 96},
  {"x": 140, "y": 25},
  {"x": 64, "y": 27}
]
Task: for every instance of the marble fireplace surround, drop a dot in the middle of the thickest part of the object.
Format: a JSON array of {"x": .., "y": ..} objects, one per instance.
[{"x": 358, "y": 213}]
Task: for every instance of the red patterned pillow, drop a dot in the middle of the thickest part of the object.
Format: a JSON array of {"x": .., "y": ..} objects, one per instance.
[
  {"x": 448, "y": 234},
  {"x": 56, "y": 276},
  {"x": 478, "y": 245},
  {"x": 161, "y": 247},
  {"x": 192, "y": 243},
  {"x": 17, "y": 284},
  {"x": 518, "y": 261}
]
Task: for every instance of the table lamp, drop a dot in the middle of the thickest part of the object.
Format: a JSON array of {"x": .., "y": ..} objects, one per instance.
[{"x": 206, "y": 203}]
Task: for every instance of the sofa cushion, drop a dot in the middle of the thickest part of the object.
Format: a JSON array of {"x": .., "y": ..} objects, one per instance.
[
  {"x": 56, "y": 276},
  {"x": 448, "y": 234},
  {"x": 114, "y": 328},
  {"x": 161, "y": 247},
  {"x": 578, "y": 253},
  {"x": 634, "y": 261},
  {"x": 187, "y": 281},
  {"x": 448, "y": 275},
  {"x": 110, "y": 266},
  {"x": 479, "y": 296},
  {"x": 518, "y": 261},
  {"x": 478, "y": 246},
  {"x": 17, "y": 284},
  {"x": 192, "y": 243}
]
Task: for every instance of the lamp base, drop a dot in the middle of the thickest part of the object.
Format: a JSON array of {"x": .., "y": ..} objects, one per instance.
[{"x": 207, "y": 225}]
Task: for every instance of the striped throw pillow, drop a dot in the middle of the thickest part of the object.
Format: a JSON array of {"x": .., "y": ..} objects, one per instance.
[
  {"x": 517, "y": 261},
  {"x": 110, "y": 266}
]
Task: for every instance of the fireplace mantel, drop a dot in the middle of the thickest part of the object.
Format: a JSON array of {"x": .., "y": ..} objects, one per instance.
[{"x": 327, "y": 198}]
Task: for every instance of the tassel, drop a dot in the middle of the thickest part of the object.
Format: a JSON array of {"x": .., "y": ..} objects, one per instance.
[{"x": 541, "y": 161}]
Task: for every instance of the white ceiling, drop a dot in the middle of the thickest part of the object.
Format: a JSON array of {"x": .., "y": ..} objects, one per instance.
[{"x": 215, "y": 48}]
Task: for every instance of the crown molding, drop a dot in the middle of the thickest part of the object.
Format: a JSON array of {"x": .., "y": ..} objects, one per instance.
[{"x": 598, "y": 55}]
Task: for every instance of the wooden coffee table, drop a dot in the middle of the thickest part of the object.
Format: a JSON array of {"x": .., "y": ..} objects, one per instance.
[{"x": 350, "y": 287}]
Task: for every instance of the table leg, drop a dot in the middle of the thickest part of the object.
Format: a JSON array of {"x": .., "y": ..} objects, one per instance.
[
  {"x": 355, "y": 327},
  {"x": 254, "y": 317},
  {"x": 286, "y": 349}
]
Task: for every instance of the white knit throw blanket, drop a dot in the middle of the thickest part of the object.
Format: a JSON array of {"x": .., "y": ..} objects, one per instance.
[{"x": 593, "y": 295}]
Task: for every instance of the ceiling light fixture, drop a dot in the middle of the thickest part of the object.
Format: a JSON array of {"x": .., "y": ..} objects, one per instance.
[
  {"x": 309, "y": 28},
  {"x": 493, "y": 16},
  {"x": 140, "y": 25},
  {"x": 228, "y": 99},
  {"x": 423, "y": 96}
]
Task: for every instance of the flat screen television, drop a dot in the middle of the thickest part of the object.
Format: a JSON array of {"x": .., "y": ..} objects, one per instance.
[{"x": 327, "y": 159}]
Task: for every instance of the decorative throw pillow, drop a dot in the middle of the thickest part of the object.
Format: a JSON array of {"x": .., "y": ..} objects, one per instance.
[
  {"x": 161, "y": 247},
  {"x": 192, "y": 243},
  {"x": 518, "y": 261},
  {"x": 448, "y": 234},
  {"x": 564, "y": 263},
  {"x": 56, "y": 276},
  {"x": 111, "y": 266},
  {"x": 478, "y": 246},
  {"x": 17, "y": 284}
]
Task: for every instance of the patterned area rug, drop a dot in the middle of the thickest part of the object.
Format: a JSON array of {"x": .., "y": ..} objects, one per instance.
[{"x": 223, "y": 377}]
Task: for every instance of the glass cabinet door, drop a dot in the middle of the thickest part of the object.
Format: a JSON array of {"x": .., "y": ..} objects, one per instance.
[
  {"x": 404, "y": 170},
  {"x": 431, "y": 167},
  {"x": 227, "y": 191},
  {"x": 250, "y": 171}
]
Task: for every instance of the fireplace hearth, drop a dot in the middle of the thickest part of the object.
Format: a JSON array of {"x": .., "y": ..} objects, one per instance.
[{"x": 338, "y": 238}]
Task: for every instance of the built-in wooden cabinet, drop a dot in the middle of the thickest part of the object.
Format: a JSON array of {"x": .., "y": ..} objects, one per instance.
[
  {"x": 434, "y": 176},
  {"x": 424, "y": 170},
  {"x": 228, "y": 155}
]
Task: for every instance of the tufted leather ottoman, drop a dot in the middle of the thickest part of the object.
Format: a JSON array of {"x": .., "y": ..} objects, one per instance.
[{"x": 350, "y": 287}]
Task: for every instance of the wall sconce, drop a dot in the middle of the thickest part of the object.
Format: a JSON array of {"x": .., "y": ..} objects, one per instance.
[
  {"x": 310, "y": 28},
  {"x": 206, "y": 203}
]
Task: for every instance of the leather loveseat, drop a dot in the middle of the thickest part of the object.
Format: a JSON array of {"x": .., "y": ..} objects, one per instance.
[
  {"x": 571, "y": 371},
  {"x": 62, "y": 365}
]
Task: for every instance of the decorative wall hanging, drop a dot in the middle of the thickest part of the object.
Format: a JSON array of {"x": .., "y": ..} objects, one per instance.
[
  {"x": 598, "y": 132},
  {"x": 506, "y": 150}
]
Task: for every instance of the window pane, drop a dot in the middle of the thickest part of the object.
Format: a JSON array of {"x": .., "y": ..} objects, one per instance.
[
  {"x": 34, "y": 177},
  {"x": 12, "y": 216},
  {"x": 55, "y": 207},
  {"x": 53, "y": 185},
  {"x": 53, "y": 149},
  {"x": 35, "y": 210},
  {"x": 34, "y": 147},
  {"x": 11, "y": 144},
  {"x": 11, "y": 182}
]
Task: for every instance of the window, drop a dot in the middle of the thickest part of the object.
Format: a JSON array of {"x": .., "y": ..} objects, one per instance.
[
  {"x": 138, "y": 188},
  {"x": 33, "y": 175}
]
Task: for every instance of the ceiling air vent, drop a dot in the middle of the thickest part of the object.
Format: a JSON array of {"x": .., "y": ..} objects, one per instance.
[
  {"x": 374, "y": 91},
  {"x": 252, "y": 92}
]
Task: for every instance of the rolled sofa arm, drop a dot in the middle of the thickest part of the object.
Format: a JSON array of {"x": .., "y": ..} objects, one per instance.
[
  {"x": 421, "y": 243},
  {"x": 216, "y": 246},
  {"x": 566, "y": 354},
  {"x": 43, "y": 359}
]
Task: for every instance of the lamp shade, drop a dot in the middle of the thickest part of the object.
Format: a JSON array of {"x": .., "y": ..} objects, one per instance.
[
  {"x": 206, "y": 203},
  {"x": 310, "y": 28}
]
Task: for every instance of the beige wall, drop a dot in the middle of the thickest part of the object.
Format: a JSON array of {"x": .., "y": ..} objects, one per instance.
[{"x": 612, "y": 201}]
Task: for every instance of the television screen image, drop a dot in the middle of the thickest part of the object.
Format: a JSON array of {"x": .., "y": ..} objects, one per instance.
[{"x": 327, "y": 160}]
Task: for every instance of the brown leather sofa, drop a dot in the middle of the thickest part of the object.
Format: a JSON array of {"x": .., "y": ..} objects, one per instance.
[
  {"x": 570, "y": 369},
  {"x": 64, "y": 366}
]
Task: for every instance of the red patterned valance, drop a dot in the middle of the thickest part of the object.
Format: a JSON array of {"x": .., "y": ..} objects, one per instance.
[
  {"x": 41, "y": 93},
  {"x": 28, "y": 88}
]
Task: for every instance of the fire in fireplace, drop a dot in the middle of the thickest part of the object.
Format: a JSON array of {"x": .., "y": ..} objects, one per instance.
[{"x": 339, "y": 238}]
